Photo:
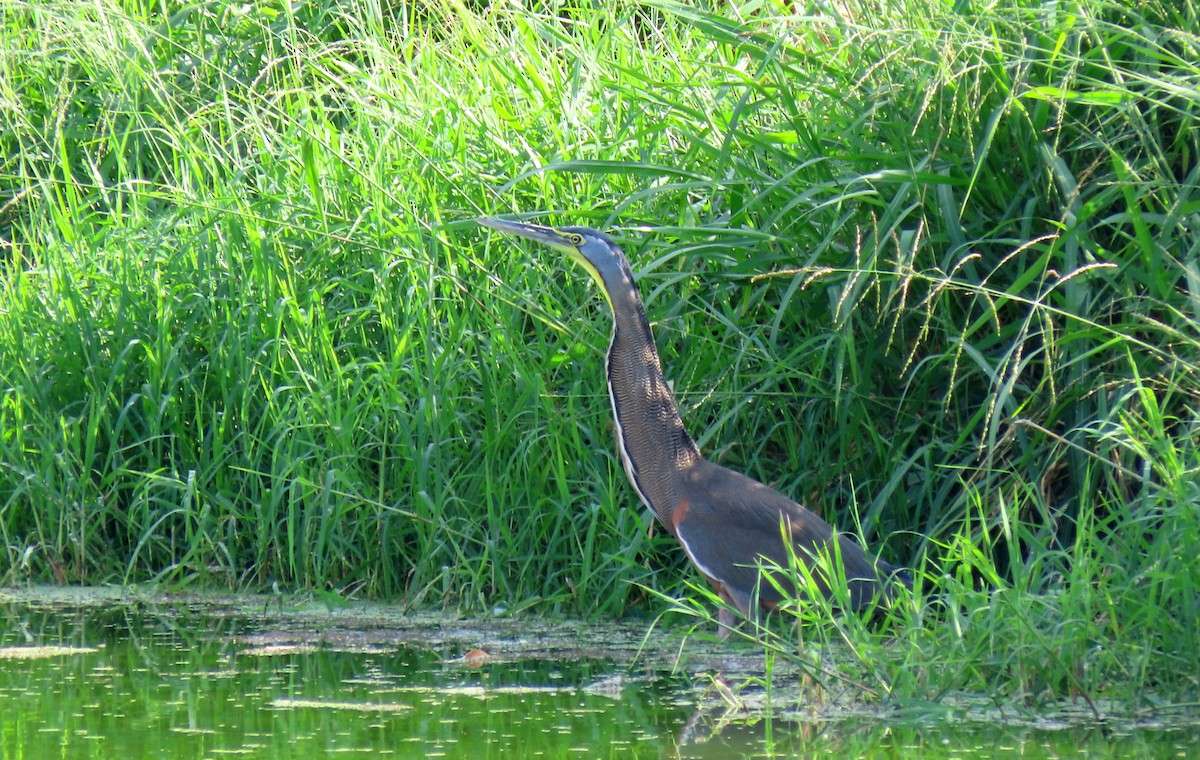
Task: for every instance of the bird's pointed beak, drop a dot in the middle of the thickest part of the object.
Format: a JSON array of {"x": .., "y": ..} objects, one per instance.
[{"x": 544, "y": 235}]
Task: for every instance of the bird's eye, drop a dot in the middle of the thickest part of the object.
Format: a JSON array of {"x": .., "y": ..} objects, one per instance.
[{"x": 575, "y": 238}]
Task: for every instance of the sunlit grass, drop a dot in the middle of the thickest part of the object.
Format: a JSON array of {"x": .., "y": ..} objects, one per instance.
[{"x": 933, "y": 272}]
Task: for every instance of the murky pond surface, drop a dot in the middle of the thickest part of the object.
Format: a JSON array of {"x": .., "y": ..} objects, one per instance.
[{"x": 130, "y": 677}]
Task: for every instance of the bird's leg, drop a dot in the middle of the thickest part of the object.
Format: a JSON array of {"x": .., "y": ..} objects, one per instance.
[
  {"x": 725, "y": 623},
  {"x": 726, "y": 620}
]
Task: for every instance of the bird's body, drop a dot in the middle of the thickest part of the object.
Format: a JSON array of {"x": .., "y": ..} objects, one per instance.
[{"x": 730, "y": 525}]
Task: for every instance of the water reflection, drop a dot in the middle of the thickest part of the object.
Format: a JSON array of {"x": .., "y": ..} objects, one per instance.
[
  {"x": 166, "y": 681},
  {"x": 182, "y": 684}
]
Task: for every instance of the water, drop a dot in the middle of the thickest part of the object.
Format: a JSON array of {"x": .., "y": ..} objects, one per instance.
[{"x": 173, "y": 681}]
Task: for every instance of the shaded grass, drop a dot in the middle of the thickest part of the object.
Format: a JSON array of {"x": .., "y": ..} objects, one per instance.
[{"x": 932, "y": 271}]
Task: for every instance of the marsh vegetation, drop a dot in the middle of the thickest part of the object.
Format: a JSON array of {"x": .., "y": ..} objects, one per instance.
[{"x": 933, "y": 270}]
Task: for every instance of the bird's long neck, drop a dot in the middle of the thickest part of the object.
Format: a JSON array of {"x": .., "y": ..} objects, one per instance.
[{"x": 654, "y": 446}]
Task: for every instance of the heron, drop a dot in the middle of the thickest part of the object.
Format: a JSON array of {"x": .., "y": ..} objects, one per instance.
[{"x": 734, "y": 530}]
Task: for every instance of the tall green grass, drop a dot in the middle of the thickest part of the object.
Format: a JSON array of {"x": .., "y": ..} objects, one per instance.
[{"x": 931, "y": 269}]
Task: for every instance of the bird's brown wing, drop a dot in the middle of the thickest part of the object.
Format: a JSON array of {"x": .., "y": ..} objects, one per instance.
[{"x": 729, "y": 523}]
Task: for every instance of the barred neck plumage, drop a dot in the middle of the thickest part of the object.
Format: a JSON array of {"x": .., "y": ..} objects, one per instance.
[{"x": 654, "y": 446}]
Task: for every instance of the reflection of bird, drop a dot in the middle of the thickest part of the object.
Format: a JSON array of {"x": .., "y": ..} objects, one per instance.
[{"x": 728, "y": 524}]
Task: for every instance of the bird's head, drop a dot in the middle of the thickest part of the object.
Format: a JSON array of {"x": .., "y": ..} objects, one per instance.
[{"x": 591, "y": 249}]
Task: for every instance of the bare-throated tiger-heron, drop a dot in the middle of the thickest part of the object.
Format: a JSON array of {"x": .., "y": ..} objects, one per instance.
[{"x": 731, "y": 526}]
